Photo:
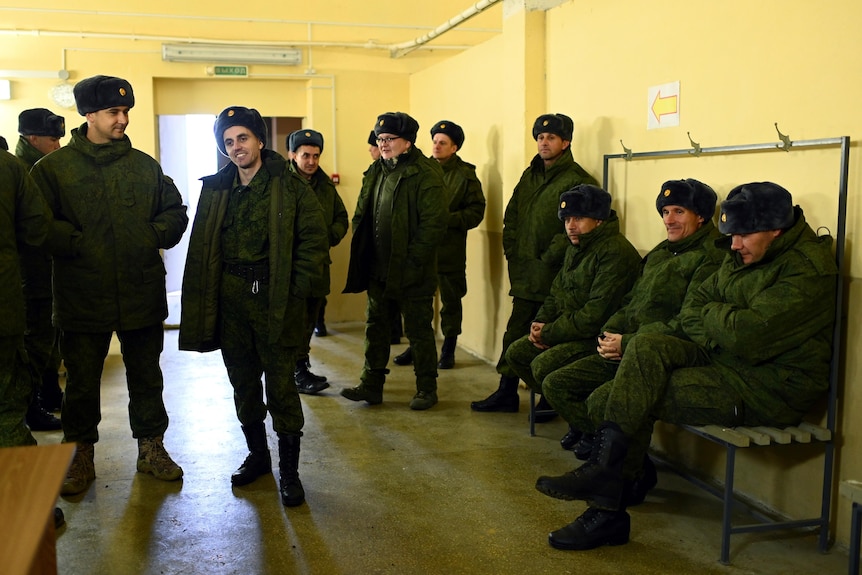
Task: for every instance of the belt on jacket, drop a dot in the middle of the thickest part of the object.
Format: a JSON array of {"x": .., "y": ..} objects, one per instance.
[{"x": 258, "y": 272}]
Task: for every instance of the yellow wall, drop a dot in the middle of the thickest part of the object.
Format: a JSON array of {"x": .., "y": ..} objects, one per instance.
[{"x": 742, "y": 67}]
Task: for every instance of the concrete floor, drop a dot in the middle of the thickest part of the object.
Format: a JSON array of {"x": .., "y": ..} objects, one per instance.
[{"x": 389, "y": 490}]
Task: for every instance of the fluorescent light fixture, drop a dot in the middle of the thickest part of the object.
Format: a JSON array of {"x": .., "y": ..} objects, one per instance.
[
  {"x": 61, "y": 74},
  {"x": 231, "y": 54}
]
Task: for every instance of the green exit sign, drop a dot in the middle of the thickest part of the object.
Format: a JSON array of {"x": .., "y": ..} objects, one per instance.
[{"x": 230, "y": 71}]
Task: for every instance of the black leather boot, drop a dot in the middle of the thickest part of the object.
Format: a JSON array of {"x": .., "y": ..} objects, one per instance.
[
  {"x": 258, "y": 462},
  {"x": 599, "y": 481},
  {"x": 636, "y": 490},
  {"x": 289, "y": 485},
  {"x": 594, "y": 528},
  {"x": 306, "y": 381},
  {"x": 447, "y": 353},
  {"x": 570, "y": 439},
  {"x": 504, "y": 399},
  {"x": 405, "y": 357},
  {"x": 40, "y": 420},
  {"x": 584, "y": 447}
]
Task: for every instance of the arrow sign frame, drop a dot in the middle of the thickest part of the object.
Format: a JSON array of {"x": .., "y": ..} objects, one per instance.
[{"x": 663, "y": 106}]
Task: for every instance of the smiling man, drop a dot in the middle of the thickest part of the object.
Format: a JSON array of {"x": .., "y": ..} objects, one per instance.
[
  {"x": 534, "y": 241},
  {"x": 114, "y": 210},
  {"x": 256, "y": 250},
  {"x": 756, "y": 351}
]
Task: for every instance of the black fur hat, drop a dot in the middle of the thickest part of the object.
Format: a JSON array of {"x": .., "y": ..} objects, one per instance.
[
  {"x": 372, "y": 139},
  {"x": 41, "y": 122},
  {"x": 397, "y": 123},
  {"x": 756, "y": 207},
  {"x": 238, "y": 116},
  {"x": 306, "y": 137},
  {"x": 690, "y": 194},
  {"x": 558, "y": 124},
  {"x": 585, "y": 200},
  {"x": 451, "y": 129},
  {"x": 4, "y": 145},
  {"x": 102, "y": 92}
]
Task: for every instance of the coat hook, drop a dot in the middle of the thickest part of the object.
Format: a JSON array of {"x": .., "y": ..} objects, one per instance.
[
  {"x": 627, "y": 151},
  {"x": 786, "y": 139},
  {"x": 694, "y": 145}
]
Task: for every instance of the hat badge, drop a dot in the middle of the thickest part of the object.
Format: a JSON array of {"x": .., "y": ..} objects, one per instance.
[
  {"x": 381, "y": 123},
  {"x": 442, "y": 126},
  {"x": 724, "y": 217},
  {"x": 666, "y": 193},
  {"x": 563, "y": 205},
  {"x": 230, "y": 113},
  {"x": 308, "y": 134},
  {"x": 122, "y": 91},
  {"x": 545, "y": 123}
]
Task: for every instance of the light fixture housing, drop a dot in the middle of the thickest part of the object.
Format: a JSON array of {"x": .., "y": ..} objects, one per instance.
[{"x": 231, "y": 54}]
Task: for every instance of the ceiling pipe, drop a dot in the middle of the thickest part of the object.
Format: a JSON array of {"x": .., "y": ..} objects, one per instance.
[{"x": 399, "y": 50}]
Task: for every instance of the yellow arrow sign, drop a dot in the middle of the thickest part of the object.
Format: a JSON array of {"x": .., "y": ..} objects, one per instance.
[{"x": 662, "y": 106}]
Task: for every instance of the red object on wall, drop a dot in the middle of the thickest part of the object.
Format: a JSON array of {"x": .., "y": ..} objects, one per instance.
[{"x": 335, "y": 178}]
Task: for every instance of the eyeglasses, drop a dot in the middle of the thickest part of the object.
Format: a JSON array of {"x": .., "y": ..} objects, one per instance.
[{"x": 387, "y": 140}]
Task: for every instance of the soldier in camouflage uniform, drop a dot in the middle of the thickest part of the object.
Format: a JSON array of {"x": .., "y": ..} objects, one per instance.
[
  {"x": 466, "y": 210},
  {"x": 114, "y": 210},
  {"x": 399, "y": 220},
  {"x": 256, "y": 250},
  {"x": 599, "y": 267},
  {"x": 305, "y": 147},
  {"x": 534, "y": 242},
  {"x": 758, "y": 350},
  {"x": 40, "y": 132}
]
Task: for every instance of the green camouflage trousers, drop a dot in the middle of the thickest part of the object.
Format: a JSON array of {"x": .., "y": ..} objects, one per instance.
[
  {"x": 452, "y": 288},
  {"x": 523, "y": 313},
  {"x": 533, "y": 364},
  {"x": 313, "y": 307},
  {"x": 418, "y": 313},
  {"x": 84, "y": 355},
  {"x": 663, "y": 378},
  {"x": 247, "y": 357},
  {"x": 15, "y": 389},
  {"x": 41, "y": 339}
]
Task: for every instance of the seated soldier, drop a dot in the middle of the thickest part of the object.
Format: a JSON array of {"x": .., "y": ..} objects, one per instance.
[
  {"x": 671, "y": 269},
  {"x": 599, "y": 267},
  {"x": 760, "y": 332}
]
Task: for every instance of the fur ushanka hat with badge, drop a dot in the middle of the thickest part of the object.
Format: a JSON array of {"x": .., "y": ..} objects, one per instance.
[
  {"x": 238, "y": 116},
  {"x": 102, "y": 92},
  {"x": 451, "y": 129},
  {"x": 558, "y": 124},
  {"x": 756, "y": 207},
  {"x": 41, "y": 122},
  {"x": 690, "y": 194},
  {"x": 398, "y": 123},
  {"x": 585, "y": 200}
]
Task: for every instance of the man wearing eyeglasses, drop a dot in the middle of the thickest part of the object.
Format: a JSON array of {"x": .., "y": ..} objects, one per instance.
[
  {"x": 534, "y": 242},
  {"x": 400, "y": 219}
]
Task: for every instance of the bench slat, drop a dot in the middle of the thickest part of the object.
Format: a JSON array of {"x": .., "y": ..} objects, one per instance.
[
  {"x": 727, "y": 434},
  {"x": 821, "y": 433},
  {"x": 799, "y": 435},
  {"x": 757, "y": 437},
  {"x": 781, "y": 436}
]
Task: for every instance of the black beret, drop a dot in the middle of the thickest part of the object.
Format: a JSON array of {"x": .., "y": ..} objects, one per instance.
[
  {"x": 451, "y": 129},
  {"x": 756, "y": 207},
  {"x": 558, "y": 124},
  {"x": 238, "y": 116},
  {"x": 305, "y": 137},
  {"x": 585, "y": 200},
  {"x": 41, "y": 122},
  {"x": 102, "y": 92},
  {"x": 397, "y": 123},
  {"x": 690, "y": 194},
  {"x": 372, "y": 139}
]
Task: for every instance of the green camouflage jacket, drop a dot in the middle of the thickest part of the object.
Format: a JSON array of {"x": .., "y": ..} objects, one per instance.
[{"x": 466, "y": 210}]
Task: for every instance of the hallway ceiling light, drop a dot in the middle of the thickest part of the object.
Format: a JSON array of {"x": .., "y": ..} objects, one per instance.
[{"x": 231, "y": 54}]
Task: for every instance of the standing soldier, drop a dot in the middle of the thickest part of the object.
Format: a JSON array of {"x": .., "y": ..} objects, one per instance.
[
  {"x": 534, "y": 242},
  {"x": 114, "y": 210},
  {"x": 40, "y": 132},
  {"x": 466, "y": 210},
  {"x": 398, "y": 223},
  {"x": 256, "y": 250},
  {"x": 305, "y": 147}
]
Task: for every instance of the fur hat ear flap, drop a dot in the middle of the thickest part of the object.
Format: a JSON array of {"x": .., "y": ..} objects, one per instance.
[
  {"x": 585, "y": 200},
  {"x": 756, "y": 207}
]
